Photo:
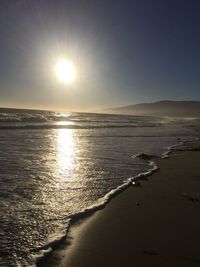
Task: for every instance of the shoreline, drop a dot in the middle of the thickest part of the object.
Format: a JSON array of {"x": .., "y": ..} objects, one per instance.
[
  {"x": 56, "y": 246},
  {"x": 84, "y": 230}
]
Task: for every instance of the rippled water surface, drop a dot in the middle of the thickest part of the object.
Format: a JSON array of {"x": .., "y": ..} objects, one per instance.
[{"x": 54, "y": 165}]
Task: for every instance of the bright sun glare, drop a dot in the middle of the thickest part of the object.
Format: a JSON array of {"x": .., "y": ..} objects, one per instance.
[{"x": 65, "y": 71}]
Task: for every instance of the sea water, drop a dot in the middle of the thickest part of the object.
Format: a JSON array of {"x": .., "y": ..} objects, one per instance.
[{"x": 56, "y": 165}]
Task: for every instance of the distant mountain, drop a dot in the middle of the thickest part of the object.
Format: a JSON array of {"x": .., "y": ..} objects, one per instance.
[{"x": 161, "y": 108}]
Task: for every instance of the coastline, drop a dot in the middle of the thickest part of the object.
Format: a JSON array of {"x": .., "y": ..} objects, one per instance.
[{"x": 141, "y": 224}]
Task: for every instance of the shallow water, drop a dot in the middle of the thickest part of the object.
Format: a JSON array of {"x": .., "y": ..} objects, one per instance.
[{"x": 54, "y": 165}]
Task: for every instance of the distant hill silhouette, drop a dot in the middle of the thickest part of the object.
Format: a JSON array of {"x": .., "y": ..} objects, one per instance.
[{"x": 161, "y": 108}]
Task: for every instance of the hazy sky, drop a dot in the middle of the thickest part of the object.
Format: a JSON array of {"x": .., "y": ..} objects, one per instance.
[{"x": 125, "y": 52}]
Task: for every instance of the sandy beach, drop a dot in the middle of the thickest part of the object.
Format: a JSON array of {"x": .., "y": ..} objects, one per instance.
[{"x": 155, "y": 224}]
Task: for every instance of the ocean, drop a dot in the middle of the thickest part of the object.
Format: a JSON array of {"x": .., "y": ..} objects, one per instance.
[{"x": 55, "y": 166}]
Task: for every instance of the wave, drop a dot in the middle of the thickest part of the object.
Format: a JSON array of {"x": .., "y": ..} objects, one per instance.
[
  {"x": 46, "y": 250},
  {"x": 56, "y": 126},
  {"x": 78, "y": 122},
  {"x": 34, "y": 119}
]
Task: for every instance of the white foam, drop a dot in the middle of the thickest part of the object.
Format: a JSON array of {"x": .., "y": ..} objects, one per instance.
[{"x": 54, "y": 240}]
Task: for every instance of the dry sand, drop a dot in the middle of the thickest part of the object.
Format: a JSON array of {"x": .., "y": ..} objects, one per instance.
[{"x": 156, "y": 224}]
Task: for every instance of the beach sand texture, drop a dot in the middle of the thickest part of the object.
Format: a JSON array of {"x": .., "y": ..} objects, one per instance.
[{"x": 155, "y": 224}]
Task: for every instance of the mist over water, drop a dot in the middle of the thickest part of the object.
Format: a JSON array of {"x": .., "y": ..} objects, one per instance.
[{"x": 54, "y": 165}]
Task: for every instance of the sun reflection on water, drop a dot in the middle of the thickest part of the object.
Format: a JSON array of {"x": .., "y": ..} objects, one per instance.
[{"x": 65, "y": 150}]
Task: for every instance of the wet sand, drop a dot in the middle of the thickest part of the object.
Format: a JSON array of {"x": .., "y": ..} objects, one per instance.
[{"x": 155, "y": 224}]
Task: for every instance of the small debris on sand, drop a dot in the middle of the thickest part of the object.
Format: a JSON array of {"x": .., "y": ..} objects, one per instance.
[
  {"x": 191, "y": 198},
  {"x": 150, "y": 252},
  {"x": 136, "y": 183},
  {"x": 138, "y": 203}
]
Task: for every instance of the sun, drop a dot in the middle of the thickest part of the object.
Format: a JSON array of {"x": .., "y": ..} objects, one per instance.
[{"x": 65, "y": 71}]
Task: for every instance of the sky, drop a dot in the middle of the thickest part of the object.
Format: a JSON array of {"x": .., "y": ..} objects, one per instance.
[{"x": 125, "y": 52}]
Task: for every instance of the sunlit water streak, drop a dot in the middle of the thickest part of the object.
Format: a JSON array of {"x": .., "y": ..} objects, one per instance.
[
  {"x": 65, "y": 150},
  {"x": 48, "y": 174}
]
